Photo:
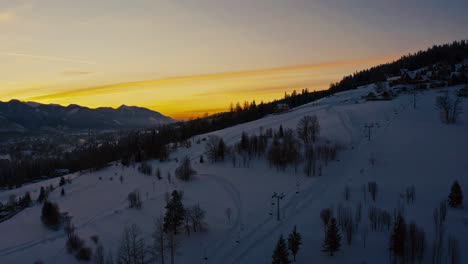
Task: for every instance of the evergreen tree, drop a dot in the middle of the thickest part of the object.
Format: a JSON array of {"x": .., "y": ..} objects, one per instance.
[
  {"x": 294, "y": 242},
  {"x": 332, "y": 242},
  {"x": 50, "y": 215},
  {"x": 455, "y": 198},
  {"x": 42, "y": 195},
  {"x": 62, "y": 192},
  {"x": 201, "y": 159},
  {"x": 281, "y": 255},
  {"x": 175, "y": 213},
  {"x": 398, "y": 239}
]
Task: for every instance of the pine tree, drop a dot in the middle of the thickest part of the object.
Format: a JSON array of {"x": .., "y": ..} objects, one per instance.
[
  {"x": 62, "y": 192},
  {"x": 50, "y": 215},
  {"x": 455, "y": 198},
  {"x": 281, "y": 255},
  {"x": 294, "y": 242},
  {"x": 175, "y": 213},
  {"x": 332, "y": 242}
]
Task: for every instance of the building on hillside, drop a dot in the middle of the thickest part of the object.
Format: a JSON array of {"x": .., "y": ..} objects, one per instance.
[{"x": 281, "y": 108}]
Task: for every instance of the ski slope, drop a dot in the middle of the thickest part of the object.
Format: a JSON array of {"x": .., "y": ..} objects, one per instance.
[{"x": 409, "y": 146}]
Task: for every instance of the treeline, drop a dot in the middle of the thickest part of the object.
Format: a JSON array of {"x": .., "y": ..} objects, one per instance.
[
  {"x": 448, "y": 54},
  {"x": 138, "y": 146}
]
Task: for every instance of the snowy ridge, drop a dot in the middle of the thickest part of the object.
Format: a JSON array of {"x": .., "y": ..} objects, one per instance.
[{"x": 409, "y": 146}]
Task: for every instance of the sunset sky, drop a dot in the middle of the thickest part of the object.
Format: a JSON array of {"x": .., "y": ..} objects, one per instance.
[{"x": 185, "y": 58}]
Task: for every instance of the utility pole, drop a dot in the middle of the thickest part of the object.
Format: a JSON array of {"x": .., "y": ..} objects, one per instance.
[{"x": 278, "y": 198}]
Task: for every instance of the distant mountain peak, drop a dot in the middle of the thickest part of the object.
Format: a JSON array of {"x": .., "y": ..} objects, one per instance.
[{"x": 36, "y": 116}]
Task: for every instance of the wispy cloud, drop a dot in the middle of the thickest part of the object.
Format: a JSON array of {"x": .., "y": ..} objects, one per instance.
[
  {"x": 47, "y": 58},
  {"x": 75, "y": 73},
  {"x": 183, "y": 80}
]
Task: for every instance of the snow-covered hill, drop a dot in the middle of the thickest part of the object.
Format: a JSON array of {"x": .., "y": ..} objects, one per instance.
[{"x": 408, "y": 147}]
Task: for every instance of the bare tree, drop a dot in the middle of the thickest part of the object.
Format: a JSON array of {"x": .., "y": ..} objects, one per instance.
[
  {"x": 372, "y": 188},
  {"x": 308, "y": 129},
  {"x": 172, "y": 244},
  {"x": 347, "y": 193},
  {"x": 99, "y": 254},
  {"x": 453, "y": 250},
  {"x": 450, "y": 109},
  {"x": 158, "y": 249},
  {"x": 196, "y": 215},
  {"x": 364, "y": 233},
  {"x": 132, "y": 247}
]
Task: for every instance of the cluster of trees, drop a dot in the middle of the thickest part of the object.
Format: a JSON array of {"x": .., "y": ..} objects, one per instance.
[
  {"x": 133, "y": 249},
  {"x": 215, "y": 149},
  {"x": 77, "y": 246},
  {"x": 448, "y": 54},
  {"x": 14, "y": 203},
  {"x": 251, "y": 146},
  {"x": 185, "y": 171},
  {"x": 284, "y": 151},
  {"x": 406, "y": 244},
  {"x": 283, "y": 247}
]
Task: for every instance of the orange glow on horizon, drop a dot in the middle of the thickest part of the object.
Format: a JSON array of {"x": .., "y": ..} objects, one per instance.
[{"x": 192, "y": 96}]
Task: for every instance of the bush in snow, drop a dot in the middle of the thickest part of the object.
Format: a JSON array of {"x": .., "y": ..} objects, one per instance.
[
  {"x": 74, "y": 243},
  {"x": 450, "y": 109},
  {"x": 84, "y": 254}
]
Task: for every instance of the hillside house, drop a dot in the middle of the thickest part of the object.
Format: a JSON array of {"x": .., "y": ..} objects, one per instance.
[{"x": 281, "y": 108}]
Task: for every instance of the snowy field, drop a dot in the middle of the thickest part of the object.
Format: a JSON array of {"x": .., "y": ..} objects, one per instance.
[{"x": 409, "y": 147}]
